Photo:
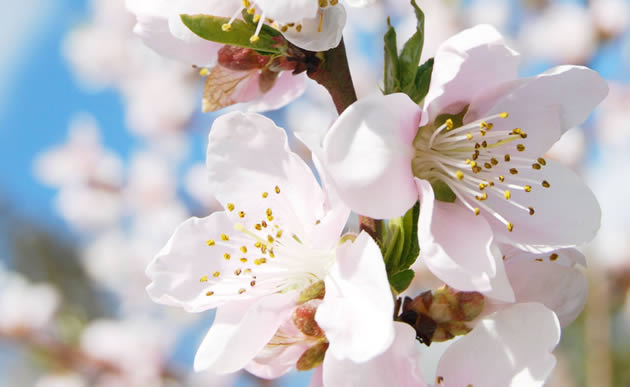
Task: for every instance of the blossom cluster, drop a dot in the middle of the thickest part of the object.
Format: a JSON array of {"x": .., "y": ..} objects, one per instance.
[
  {"x": 464, "y": 265},
  {"x": 479, "y": 249}
]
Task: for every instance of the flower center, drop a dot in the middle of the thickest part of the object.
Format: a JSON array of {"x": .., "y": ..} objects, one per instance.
[
  {"x": 264, "y": 257},
  {"x": 260, "y": 19},
  {"x": 477, "y": 162}
]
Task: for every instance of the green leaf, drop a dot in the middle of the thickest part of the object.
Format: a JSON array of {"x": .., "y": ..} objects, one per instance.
[
  {"x": 422, "y": 81},
  {"x": 411, "y": 52},
  {"x": 391, "y": 71},
  {"x": 400, "y": 247},
  {"x": 443, "y": 192},
  {"x": 401, "y": 280},
  {"x": 210, "y": 28}
]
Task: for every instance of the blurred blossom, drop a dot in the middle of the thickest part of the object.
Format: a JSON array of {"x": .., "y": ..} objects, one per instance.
[
  {"x": 563, "y": 33},
  {"x": 136, "y": 347},
  {"x": 613, "y": 119},
  {"x": 611, "y": 17},
  {"x": 196, "y": 184},
  {"x": 495, "y": 12},
  {"x": 88, "y": 208},
  {"x": 61, "y": 380},
  {"x": 151, "y": 182},
  {"x": 81, "y": 159},
  {"x": 25, "y": 306}
]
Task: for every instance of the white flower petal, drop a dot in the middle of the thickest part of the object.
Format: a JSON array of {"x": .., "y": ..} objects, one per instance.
[
  {"x": 358, "y": 303},
  {"x": 468, "y": 63},
  {"x": 321, "y": 32},
  {"x": 288, "y": 10},
  {"x": 566, "y": 213},
  {"x": 511, "y": 347},
  {"x": 398, "y": 366},
  {"x": 368, "y": 153},
  {"x": 456, "y": 246},
  {"x": 240, "y": 330},
  {"x": 560, "y": 288}
]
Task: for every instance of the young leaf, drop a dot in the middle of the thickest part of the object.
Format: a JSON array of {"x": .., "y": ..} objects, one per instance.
[
  {"x": 401, "y": 280},
  {"x": 391, "y": 71},
  {"x": 422, "y": 82},
  {"x": 411, "y": 52},
  {"x": 211, "y": 28},
  {"x": 400, "y": 248}
]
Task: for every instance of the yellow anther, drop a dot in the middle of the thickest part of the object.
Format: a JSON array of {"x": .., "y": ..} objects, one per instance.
[
  {"x": 277, "y": 189},
  {"x": 298, "y": 28},
  {"x": 241, "y": 291},
  {"x": 244, "y": 249},
  {"x": 483, "y": 132},
  {"x": 279, "y": 234},
  {"x": 247, "y": 271},
  {"x": 241, "y": 214},
  {"x": 528, "y": 188},
  {"x": 263, "y": 249},
  {"x": 507, "y": 195},
  {"x": 510, "y": 226},
  {"x": 225, "y": 237},
  {"x": 203, "y": 279},
  {"x": 265, "y": 194},
  {"x": 243, "y": 259},
  {"x": 226, "y": 27},
  {"x": 271, "y": 254},
  {"x": 209, "y": 293},
  {"x": 513, "y": 171},
  {"x": 484, "y": 143},
  {"x": 204, "y": 72},
  {"x": 254, "y": 39},
  {"x": 494, "y": 161},
  {"x": 520, "y": 147},
  {"x": 484, "y": 196},
  {"x": 473, "y": 164},
  {"x": 503, "y": 115},
  {"x": 531, "y": 211},
  {"x": 553, "y": 257},
  {"x": 477, "y": 211},
  {"x": 256, "y": 18},
  {"x": 270, "y": 218},
  {"x": 467, "y": 161},
  {"x": 546, "y": 184},
  {"x": 258, "y": 227},
  {"x": 542, "y": 161},
  {"x": 269, "y": 212},
  {"x": 264, "y": 224},
  {"x": 230, "y": 207},
  {"x": 506, "y": 157},
  {"x": 237, "y": 272},
  {"x": 284, "y": 28},
  {"x": 469, "y": 136},
  {"x": 251, "y": 10},
  {"x": 487, "y": 165},
  {"x": 258, "y": 245},
  {"x": 459, "y": 175},
  {"x": 536, "y": 166},
  {"x": 482, "y": 186},
  {"x": 270, "y": 238},
  {"x": 449, "y": 124},
  {"x": 226, "y": 256},
  {"x": 252, "y": 284},
  {"x": 210, "y": 242},
  {"x": 260, "y": 261},
  {"x": 216, "y": 274},
  {"x": 246, "y": 3},
  {"x": 501, "y": 178}
]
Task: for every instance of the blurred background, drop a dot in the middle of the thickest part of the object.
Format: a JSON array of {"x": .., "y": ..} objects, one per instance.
[{"x": 102, "y": 146}]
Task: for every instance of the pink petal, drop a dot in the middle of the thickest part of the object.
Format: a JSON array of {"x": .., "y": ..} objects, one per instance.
[
  {"x": 358, "y": 303},
  {"x": 511, "y": 347},
  {"x": 287, "y": 88},
  {"x": 566, "y": 214},
  {"x": 368, "y": 153},
  {"x": 471, "y": 61},
  {"x": 560, "y": 288},
  {"x": 456, "y": 246},
  {"x": 240, "y": 330},
  {"x": 319, "y": 32},
  {"x": 398, "y": 366},
  {"x": 249, "y": 155}
]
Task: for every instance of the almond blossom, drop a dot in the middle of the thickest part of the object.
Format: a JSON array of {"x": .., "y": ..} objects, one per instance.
[
  {"x": 277, "y": 236},
  {"x": 477, "y": 140}
]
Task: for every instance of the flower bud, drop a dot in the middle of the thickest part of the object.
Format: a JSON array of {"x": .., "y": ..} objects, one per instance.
[{"x": 241, "y": 59}]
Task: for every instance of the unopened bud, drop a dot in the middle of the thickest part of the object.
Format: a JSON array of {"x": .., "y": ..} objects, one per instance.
[{"x": 312, "y": 357}]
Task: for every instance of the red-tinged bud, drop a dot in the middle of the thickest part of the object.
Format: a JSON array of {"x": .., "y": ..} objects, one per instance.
[
  {"x": 304, "y": 319},
  {"x": 241, "y": 59}
]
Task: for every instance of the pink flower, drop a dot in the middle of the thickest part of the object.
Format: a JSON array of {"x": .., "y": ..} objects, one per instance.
[
  {"x": 479, "y": 134},
  {"x": 277, "y": 236}
]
